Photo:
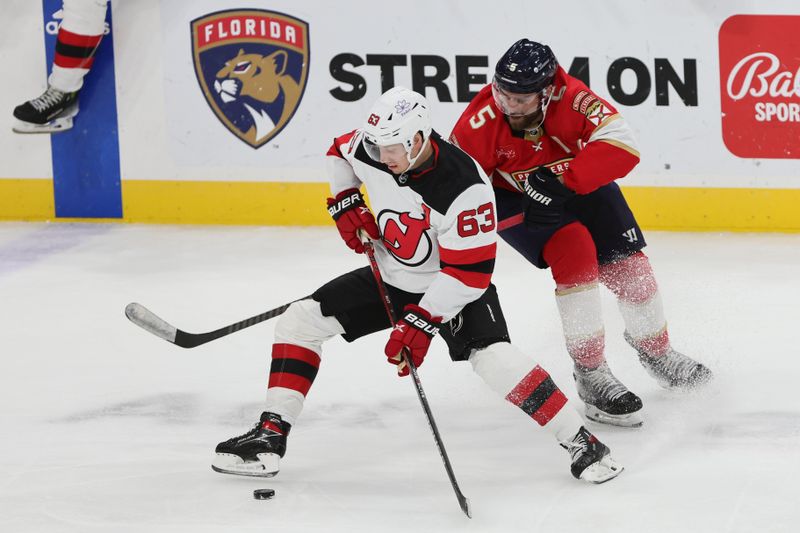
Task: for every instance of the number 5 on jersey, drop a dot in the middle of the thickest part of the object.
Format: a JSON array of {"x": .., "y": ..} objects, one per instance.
[{"x": 479, "y": 119}]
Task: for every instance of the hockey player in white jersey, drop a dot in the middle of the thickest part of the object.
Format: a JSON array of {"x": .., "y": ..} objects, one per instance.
[
  {"x": 78, "y": 37},
  {"x": 435, "y": 240}
]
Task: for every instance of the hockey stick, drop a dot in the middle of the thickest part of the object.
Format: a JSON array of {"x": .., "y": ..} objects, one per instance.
[
  {"x": 463, "y": 502},
  {"x": 147, "y": 320}
]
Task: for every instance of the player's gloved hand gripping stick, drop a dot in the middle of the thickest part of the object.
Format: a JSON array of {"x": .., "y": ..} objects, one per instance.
[
  {"x": 544, "y": 199},
  {"x": 353, "y": 218},
  {"x": 412, "y": 335}
]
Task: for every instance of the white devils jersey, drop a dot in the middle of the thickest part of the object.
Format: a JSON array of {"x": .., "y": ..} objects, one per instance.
[{"x": 437, "y": 223}]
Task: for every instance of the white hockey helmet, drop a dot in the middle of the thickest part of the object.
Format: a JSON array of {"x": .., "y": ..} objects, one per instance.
[{"x": 395, "y": 118}]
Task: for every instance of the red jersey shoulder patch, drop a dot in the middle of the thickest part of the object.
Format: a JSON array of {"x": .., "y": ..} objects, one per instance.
[
  {"x": 582, "y": 101},
  {"x": 598, "y": 112}
]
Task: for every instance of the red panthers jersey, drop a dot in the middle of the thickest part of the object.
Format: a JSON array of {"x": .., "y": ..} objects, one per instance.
[{"x": 583, "y": 139}]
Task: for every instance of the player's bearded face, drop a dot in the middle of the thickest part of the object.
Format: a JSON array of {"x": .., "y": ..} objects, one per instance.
[{"x": 522, "y": 109}]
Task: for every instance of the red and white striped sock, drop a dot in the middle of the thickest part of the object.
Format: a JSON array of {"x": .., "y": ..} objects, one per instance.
[
  {"x": 633, "y": 283},
  {"x": 572, "y": 257},
  {"x": 582, "y": 323}
]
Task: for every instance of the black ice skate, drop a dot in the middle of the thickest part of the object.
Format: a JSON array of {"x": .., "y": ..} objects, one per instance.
[
  {"x": 52, "y": 112},
  {"x": 257, "y": 452},
  {"x": 607, "y": 400},
  {"x": 591, "y": 459},
  {"x": 673, "y": 370}
]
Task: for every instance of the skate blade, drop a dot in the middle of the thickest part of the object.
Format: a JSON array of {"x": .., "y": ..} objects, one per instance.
[
  {"x": 630, "y": 420},
  {"x": 54, "y": 126},
  {"x": 603, "y": 470},
  {"x": 266, "y": 466}
]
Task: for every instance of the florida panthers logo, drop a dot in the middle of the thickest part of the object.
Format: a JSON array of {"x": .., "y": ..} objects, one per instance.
[
  {"x": 252, "y": 66},
  {"x": 405, "y": 236},
  {"x": 557, "y": 167}
]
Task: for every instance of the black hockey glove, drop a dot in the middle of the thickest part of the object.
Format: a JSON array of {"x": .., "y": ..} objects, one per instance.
[{"x": 544, "y": 199}]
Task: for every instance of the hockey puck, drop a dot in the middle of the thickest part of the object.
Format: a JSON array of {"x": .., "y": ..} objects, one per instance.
[{"x": 263, "y": 494}]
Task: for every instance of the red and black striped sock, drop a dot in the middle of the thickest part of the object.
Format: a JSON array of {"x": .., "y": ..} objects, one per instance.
[
  {"x": 538, "y": 396},
  {"x": 74, "y": 50},
  {"x": 293, "y": 367}
]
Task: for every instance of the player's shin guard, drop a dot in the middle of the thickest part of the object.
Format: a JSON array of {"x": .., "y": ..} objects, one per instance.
[
  {"x": 633, "y": 282},
  {"x": 259, "y": 451},
  {"x": 518, "y": 379},
  {"x": 78, "y": 38},
  {"x": 291, "y": 375},
  {"x": 299, "y": 335},
  {"x": 572, "y": 257},
  {"x": 507, "y": 371},
  {"x": 582, "y": 322}
]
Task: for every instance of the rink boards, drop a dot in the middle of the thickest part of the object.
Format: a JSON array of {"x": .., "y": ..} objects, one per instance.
[
  {"x": 186, "y": 202},
  {"x": 716, "y": 112}
]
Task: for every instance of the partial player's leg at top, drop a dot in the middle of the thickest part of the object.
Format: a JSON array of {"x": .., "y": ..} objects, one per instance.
[
  {"x": 626, "y": 271},
  {"x": 79, "y": 36}
]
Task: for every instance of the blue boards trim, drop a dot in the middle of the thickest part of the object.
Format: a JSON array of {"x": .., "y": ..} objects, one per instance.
[{"x": 86, "y": 172}]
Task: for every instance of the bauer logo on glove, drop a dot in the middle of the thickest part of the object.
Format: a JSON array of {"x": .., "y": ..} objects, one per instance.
[
  {"x": 337, "y": 208},
  {"x": 420, "y": 323},
  {"x": 413, "y": 334},
  {"x": 352, "y": 216}
]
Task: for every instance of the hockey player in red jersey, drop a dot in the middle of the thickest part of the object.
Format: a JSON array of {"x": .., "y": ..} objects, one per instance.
[
  {"x": 553, "y": 149},
  {"x": 435, "y": 239},
  {"x": 78, "y": 37}
]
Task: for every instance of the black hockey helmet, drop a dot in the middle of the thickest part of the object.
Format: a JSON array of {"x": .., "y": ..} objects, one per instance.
[{"x": 527, "y": 67}]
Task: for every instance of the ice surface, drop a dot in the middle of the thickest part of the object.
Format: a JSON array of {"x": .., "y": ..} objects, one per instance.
[{"x": 108, "y": 428}]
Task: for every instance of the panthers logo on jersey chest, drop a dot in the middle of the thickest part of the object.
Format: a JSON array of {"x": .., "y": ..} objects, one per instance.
[
  {"x": 556, "y": 167},
  {"x": 252, "y": 66}
]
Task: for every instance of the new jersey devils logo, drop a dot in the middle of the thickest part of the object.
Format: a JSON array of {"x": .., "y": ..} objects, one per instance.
[{"x": 405, "y": 237}]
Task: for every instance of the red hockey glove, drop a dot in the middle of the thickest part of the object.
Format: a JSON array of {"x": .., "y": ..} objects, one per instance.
[
  {"x": 544, "y": 200},
  {"x": 351, "y": 214},
  {"x": 413, "y": 332}
]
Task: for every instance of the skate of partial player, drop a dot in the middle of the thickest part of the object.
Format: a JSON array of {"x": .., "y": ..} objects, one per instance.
[
  {"x": 437, "y": 205},
  {"x": 79, "y": 35},
  {"x": 554, "y": 149}
]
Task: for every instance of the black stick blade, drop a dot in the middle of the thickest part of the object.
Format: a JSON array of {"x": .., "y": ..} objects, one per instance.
[{"x": 464, "y": 503}]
